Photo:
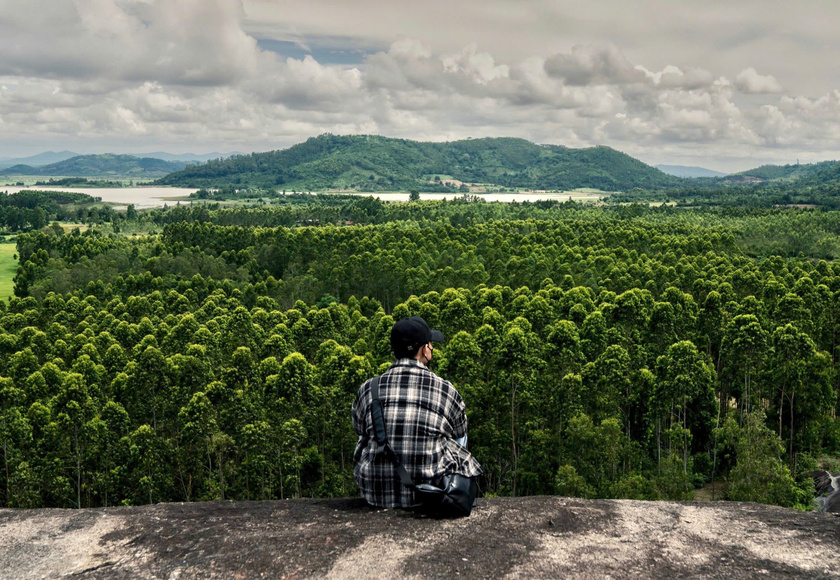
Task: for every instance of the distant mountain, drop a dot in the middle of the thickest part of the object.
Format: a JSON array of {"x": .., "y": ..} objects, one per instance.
[
  {"x": 106, "y": 165},
  {"x": 374, "y": 163},
  {"x": 689, "y": 171},
  {"x": 50, "y": 157},
  {"x": 38, "y": 160},
  {"x": 189, "y": 157}
]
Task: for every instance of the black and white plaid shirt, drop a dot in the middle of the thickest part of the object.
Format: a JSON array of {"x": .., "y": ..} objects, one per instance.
[{"x": 424, "y": 414}]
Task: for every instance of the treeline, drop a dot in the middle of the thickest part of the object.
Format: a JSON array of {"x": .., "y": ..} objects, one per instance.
[
  {"x": 80, "y": 182},
  {"x": 806, "y": 191},
  {"x": 758, "y": 232},
  {"x": 635, "y": 354},
  {"x": 47, "y": 200},
  {"x": 33, "y": 209}
]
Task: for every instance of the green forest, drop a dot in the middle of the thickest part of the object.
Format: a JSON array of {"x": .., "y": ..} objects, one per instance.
[
  {"x": 625, "y": 351},
  {"x": 32, "y": 209}
]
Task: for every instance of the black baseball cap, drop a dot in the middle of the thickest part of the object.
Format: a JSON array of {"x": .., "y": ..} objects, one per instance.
[{"x": 409, "y": 334}]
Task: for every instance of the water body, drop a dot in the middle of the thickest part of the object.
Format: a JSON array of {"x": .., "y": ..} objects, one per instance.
[
  {"x": 149, "y": 197},
  {"x": 140, "y": 197}
]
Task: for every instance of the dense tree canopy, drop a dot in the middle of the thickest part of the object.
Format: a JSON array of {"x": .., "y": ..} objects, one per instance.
[{"x": 615, "y": 352}]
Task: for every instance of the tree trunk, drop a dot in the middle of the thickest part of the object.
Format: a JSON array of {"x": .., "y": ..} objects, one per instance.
[
  {"x": 219, "y": 464},
  {"x": 685, "y": 436},
  {"x": 747, "y": 391},
  {"x": 792, "y": 395},
  {"x": 78, "y": 472},
  {"x": 514, "y": 456},
  {"x": 6, "y": 462},
  {"x": 659, "y": 443},
  {"x": 280, "y": 466},
  {"x": 714, "y": 460},
  {"x": 781, "y": 405}
]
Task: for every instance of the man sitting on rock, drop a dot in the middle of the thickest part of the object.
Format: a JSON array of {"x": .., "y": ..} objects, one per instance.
[{"x": 424, "y": 418}]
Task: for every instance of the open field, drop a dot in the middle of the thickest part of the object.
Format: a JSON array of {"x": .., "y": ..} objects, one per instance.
[
  {"x": 8, "y": 268},
  {"x": 70, "y": 226}
]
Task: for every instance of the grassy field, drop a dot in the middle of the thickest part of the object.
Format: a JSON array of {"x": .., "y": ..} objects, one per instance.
[{"x": 8, "y": 268}]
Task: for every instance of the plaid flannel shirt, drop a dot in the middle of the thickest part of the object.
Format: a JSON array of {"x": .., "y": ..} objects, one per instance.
[{"x": 424, "y": 414}]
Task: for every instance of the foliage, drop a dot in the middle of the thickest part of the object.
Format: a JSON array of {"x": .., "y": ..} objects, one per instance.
[
  {"x": 79, "y": 182},
  {"x": 598, "y": 350},
  {"x": 32, "y": 209},
  {"x": 759, "y": 475}
]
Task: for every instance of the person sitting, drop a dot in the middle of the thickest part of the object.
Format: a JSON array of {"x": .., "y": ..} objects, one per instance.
[{"x": 425, "y": 420}]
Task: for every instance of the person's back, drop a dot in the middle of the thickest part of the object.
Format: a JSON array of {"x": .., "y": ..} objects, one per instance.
[{"x": 424, "y": 417}]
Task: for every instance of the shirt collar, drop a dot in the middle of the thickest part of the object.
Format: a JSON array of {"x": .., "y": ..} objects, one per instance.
[{"x": 408, "y": 362}]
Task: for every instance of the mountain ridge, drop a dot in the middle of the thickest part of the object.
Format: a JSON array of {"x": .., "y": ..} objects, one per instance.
[
  {"x": 49, "y": 157},
  {"x": 806, "y": 173},
  {"x": 187, "y": 157},
  {"x": 38, "y": 160},
  {"x": 376, "y": 163},
  {"x": 101, "y": 165},
  {"x": 689, "y": 171}
]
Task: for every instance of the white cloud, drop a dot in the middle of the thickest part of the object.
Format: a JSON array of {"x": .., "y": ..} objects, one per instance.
[
  {"x": 750, "y": 82},
  {"x": 479, "y": 66},
  {"x": 197, "y": 42},
  {"x": 674, "y": 77},
  {"x": 306, "y": 84},
  {"x": 128, "y": 121},
  {"x": 191, "y": 73},
  {"x": 593, "y": 64}
]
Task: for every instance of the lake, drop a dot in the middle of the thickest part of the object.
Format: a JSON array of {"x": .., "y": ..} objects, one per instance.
[
  {"x": 141, "y": 197},
  {"x": 148, "y": 197}
]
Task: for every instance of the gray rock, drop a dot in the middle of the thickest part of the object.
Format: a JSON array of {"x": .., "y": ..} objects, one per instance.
[
  {"x": 533, "y": 537},
  {"x": 828, "y": 490}
]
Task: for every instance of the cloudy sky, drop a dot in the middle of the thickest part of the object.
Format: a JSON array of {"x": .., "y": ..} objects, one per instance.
[{"x": 727, "y": 85}]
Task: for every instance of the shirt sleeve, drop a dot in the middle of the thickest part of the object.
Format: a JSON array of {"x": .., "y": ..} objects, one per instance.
[
  {"x": 458, "y": 415},
  {"x": 359, "y": 411}
]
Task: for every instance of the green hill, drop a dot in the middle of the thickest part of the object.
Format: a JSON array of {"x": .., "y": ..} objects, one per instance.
[
  {"x": 373, "y": 163},
  {"x": 807, "y": 174},
  {"x": 105, "y": 165}
]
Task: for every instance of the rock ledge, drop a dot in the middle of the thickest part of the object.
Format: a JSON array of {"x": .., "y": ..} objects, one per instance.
[{"x": 533, "y": 537}]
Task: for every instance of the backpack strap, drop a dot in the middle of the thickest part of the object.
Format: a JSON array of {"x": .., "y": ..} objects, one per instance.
[{"x": 382, "y": 435}]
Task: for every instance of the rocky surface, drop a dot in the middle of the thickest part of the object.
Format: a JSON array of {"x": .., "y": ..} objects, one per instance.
[{"x": 534, "y": 537}]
